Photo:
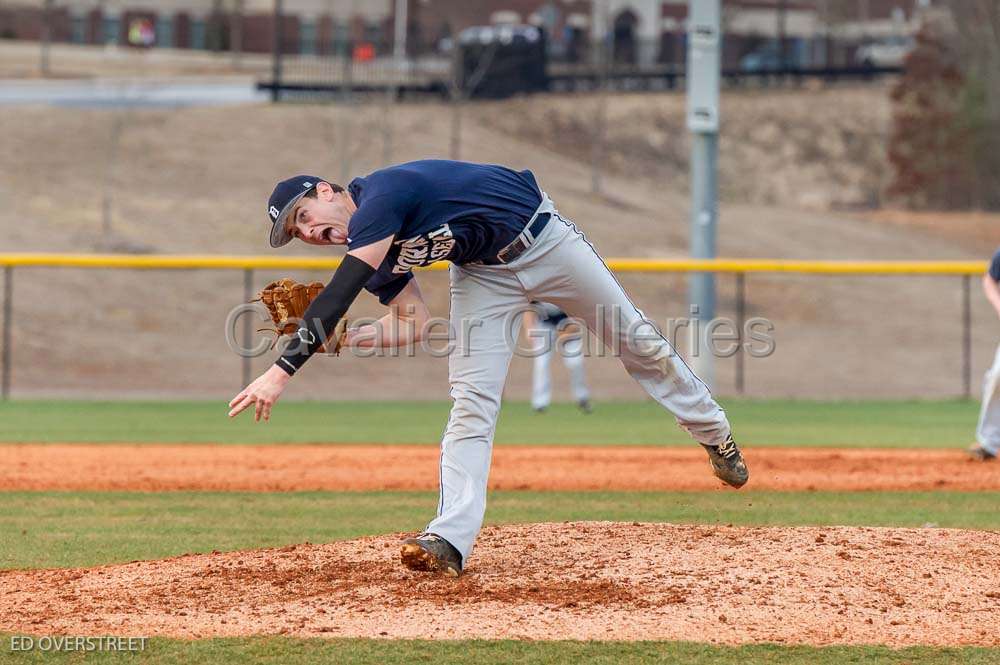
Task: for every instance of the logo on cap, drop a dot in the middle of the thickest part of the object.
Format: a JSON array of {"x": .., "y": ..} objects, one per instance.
[{"x": 281, "y": 203}]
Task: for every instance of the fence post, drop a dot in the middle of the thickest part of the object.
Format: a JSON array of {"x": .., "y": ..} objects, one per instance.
[
  {"x": 8, "y": 306},
  {"x": 46, "y": 37},
  {"x": 247, "y": 331},
  {"x": 346, "y": 119},
  {"x": 967, "y": 336},
  {"x": 741, "y": 316},
  {"x": 278, "y": 46}
]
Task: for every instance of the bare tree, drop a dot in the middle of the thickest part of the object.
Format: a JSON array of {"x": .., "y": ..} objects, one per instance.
[
  {"x": 945, "y": 143},
  {"x": 928, "y": 152},
  {"x": 978, "y": 26},
  {"x": 977, "y": 23}
]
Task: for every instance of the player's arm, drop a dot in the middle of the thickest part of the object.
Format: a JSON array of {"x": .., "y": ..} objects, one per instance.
[
  {"x": 992, "y": 290},
  {"x": 319, "y": 320},
  {"x": 403, "y": 325}
]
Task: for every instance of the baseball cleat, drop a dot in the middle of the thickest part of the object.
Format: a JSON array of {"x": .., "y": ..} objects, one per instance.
[
  {"x": 585, "y": 406},
  {"x": 980, "y": 454},
  {"x": 430, "y": 552},
  {"x": 727, "y": 463}
]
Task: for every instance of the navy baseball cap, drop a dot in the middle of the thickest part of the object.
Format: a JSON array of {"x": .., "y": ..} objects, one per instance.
[{"x": 284, "y": 197}]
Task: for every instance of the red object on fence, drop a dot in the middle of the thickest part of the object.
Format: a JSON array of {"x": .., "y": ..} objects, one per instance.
[{"x": 364, "y": 52}]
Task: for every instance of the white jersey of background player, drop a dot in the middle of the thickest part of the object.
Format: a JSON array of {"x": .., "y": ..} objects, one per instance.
[
  {"x": 507, "y": 245},
  {"x": 988, "y": 432},
  {"x": 554, "y": 333}
]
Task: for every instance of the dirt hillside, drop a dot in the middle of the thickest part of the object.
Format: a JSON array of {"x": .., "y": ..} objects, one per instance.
[
  {"x": 802, "y": 148},
  {"x": 195, "y": 180}
]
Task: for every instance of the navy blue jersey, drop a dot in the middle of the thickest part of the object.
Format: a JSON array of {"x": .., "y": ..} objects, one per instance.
[
  {"x": 439, "y": 210},
  {"x": 995, "y": 267}
]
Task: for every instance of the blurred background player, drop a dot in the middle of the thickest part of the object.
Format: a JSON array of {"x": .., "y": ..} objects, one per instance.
[
  {"x": 988, "y": 432},
  {"x": 553, "y": 331}
]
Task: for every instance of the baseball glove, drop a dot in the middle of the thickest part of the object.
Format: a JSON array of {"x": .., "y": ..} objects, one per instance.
[{"x": 286, "y": 301}]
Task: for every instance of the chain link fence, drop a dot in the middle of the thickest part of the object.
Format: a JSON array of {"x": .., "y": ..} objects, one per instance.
[{"x": 183, "y": 339}]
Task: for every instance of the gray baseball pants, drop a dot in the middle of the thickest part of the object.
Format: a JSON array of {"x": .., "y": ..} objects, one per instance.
[
  {"x": 560, "y": 267},
  {"x": 988, "y": 432}
]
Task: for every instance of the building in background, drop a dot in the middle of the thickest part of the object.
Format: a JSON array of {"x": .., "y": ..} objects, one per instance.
[
  {"x": 648, "y": 32},
  {"x": 640, "y": 32},
  {"x": 310, "y": 26}
]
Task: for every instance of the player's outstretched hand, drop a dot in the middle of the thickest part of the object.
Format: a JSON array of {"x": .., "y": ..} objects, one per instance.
[{"x": 262, "y": 393}]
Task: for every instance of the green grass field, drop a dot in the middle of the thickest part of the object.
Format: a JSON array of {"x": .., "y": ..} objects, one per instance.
[
  {"x": 57, "y": 529},
  {"x": 287, "y": 651},
  {"x": 64, "y": 529},
  {"x": 48, "y": 529},
  {"x": 931, "y": 424}
]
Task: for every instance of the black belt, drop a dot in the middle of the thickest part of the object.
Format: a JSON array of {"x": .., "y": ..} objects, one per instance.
[{"x": 520, "y": 243}]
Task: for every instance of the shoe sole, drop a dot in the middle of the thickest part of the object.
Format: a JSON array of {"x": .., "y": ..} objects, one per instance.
[
  {"x": 416, "y": 557},
  {"x": 729, "y": 480},
  {"x": 733, "y": 483}
]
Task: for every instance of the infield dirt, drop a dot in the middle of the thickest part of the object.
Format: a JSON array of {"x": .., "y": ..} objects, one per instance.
[
  {"x": 585, "y": 580},
  {"x": 415, "y": 467}
]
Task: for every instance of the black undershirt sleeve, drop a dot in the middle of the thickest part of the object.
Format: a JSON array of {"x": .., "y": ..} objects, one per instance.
[{"x": 323, "y": 314}]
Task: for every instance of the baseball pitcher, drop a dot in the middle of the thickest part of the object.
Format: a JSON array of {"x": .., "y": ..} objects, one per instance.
[
  {"x": 988, "y": 433},
  {"x": 507, "y": 245}
]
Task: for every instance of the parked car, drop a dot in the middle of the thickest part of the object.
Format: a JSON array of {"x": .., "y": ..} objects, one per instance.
[
  {"x": 767, "y": 58},
  {"x": 760, "y": 61},
  {"x": 888, "y": 52}
]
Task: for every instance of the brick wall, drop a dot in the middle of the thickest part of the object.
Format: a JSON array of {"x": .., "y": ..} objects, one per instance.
[{"x": 26, "y": 23}]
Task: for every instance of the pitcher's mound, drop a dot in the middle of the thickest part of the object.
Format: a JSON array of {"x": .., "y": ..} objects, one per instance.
[{"x": 587, "y": 580}]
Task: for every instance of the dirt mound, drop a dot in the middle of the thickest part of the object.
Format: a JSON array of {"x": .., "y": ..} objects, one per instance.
[
  {"x": 155, "y": 468},
  {"x": 584, "y": 580}
]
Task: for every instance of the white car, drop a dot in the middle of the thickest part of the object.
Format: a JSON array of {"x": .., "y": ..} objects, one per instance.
[{"x": 889, "y": 52}]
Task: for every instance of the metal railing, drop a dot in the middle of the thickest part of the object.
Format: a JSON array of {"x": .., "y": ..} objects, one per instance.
[{"x": 739, "y": 268}]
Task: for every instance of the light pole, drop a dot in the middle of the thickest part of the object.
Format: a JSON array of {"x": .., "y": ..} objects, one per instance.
[
  {"x": 703, "y": 73},
  {"x": 400, "y": 30}
]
